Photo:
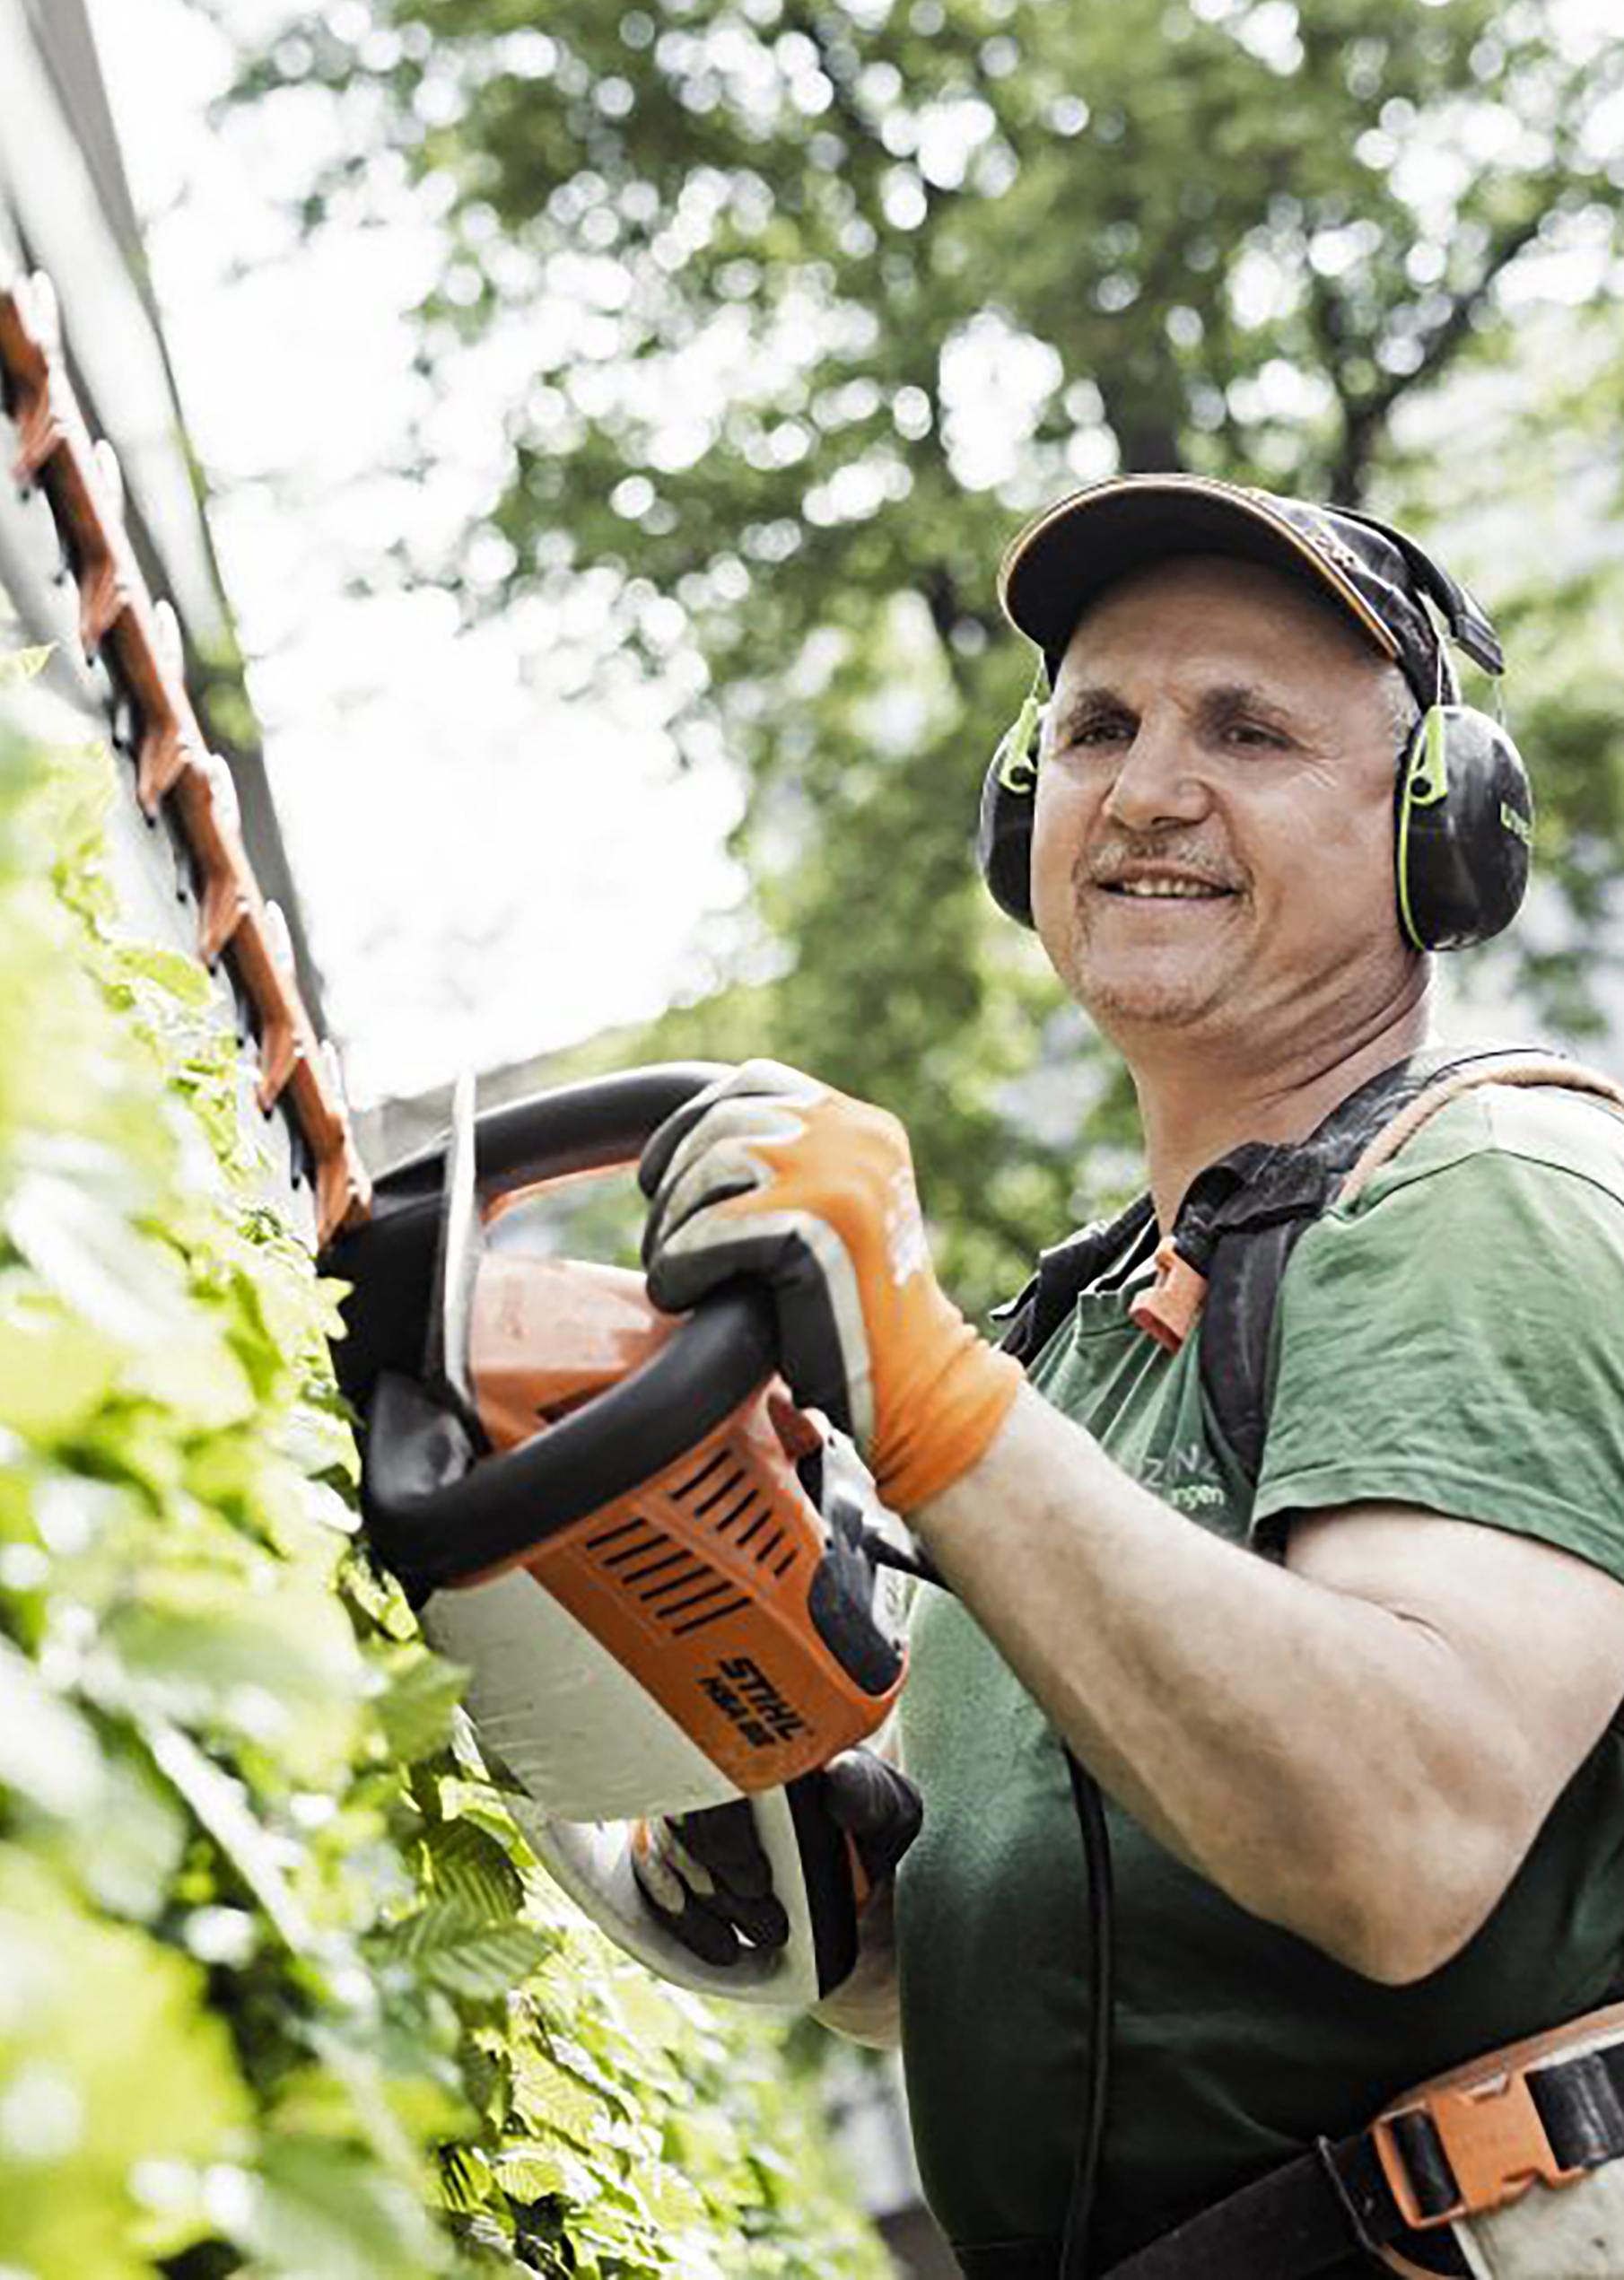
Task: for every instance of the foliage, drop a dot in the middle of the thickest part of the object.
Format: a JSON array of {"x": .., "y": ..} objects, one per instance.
[
  {"x": 278, "y": 1977},
  {"x": 814, "y": 297}
]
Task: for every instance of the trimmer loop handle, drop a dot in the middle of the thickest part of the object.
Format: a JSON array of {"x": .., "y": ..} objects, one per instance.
[{"x": 434, "y": 1514}]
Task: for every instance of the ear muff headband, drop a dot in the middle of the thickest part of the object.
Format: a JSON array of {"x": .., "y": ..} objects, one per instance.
[{"x": 1468, "y": 621}]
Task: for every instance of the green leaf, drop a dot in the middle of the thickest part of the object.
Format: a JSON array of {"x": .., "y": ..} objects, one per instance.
[
  {"x": 468, "y": 1865},
  {"x": 261, "y": 1672},
  {"x": 55, "y": 1372},
  {"x": 531, "y": 2168},
  {"x": 465, "y": 2179},
  {"x": 454, "y": 1946},
  {"x": 221, "y": 1807},
  {"x": 416, "y": 1709},
  {"x": 547, "y": 2097},
  {"x": 86, "y": 1252},
  {"x": 86, "y": 2107},
  {"x": 49, "y": 1752},
  {"x": 180, "y": 977}
]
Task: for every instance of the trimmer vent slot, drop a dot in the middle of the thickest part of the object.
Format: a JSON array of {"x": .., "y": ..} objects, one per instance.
[
  {"x": 674, "y": 1583},
  {"x": 655, "y": 1566},
  {"x": 697, "y": 1599},
  {"x": 650, "y": 1540},
  {"x": 734, "y": 1512},
  {"x": 716, "y": 1457},
  {"x": 611, "y": 1536},
  {"x": 717, "y": 1495},
  {"x": 710, "y": 1615}
]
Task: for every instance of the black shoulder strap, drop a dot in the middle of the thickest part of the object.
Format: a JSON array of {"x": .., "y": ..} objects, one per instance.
[
  {"x": 1031, "y": 1320},
  {"x": 1238, "y": 1225},
  {"x": 1241, "y": 1234}
]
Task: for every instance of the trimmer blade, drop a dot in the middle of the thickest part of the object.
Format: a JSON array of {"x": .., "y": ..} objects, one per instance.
[{"x": 458, "y": 1252}]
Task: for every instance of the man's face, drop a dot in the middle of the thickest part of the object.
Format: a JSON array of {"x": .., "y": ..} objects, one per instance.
[{"x": 1213, "y": 838}]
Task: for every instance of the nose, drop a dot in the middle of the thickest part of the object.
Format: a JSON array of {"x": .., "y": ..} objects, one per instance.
[{"x": 1158, "y": 780}]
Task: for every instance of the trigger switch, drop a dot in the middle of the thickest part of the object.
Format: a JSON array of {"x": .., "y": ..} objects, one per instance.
[{"x": 840, "y": 1601}]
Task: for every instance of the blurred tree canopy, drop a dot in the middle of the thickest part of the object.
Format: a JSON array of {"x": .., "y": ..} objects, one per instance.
[{"x": 805, "y": 302}]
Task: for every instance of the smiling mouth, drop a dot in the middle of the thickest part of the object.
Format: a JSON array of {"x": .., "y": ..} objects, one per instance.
[{"x": 1165, "y": 890}]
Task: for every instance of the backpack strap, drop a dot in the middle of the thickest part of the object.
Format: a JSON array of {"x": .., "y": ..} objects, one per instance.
[
  {"x": 1240, "y": 1243},
  {"x": 1241, "y": 1218},
  {"x": 1248, "y": 1245},
  {"x": 1257, "y": 1187},
  {"x": 1523, "y": 1068},
  {"x": 1063, "y": 1272}
]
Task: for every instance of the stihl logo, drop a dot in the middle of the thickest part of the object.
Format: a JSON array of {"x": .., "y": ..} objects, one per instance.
[{"x": 743, "y": 1692}]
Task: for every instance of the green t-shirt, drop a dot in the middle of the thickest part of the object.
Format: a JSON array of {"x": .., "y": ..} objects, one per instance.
[{"x": 1454, "y": 1341}]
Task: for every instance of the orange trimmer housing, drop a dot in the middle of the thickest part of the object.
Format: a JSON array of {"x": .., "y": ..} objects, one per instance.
[
  {"x": 664, "y": 1578},
  {"x": 668, "y": 1586},
  {"x": 703, "y": 1581}
]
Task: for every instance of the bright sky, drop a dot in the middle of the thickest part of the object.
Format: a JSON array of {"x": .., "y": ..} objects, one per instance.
[{"x": 485, "y": 870}]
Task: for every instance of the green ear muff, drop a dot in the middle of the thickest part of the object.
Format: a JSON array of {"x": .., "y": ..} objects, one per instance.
[
  {"x": 1003, "y": 836},
  {"x": 1464, "y": 830}
]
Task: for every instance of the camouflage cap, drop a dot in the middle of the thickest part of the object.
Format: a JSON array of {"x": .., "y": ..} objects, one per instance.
[{"x": 1066, "y": 558}]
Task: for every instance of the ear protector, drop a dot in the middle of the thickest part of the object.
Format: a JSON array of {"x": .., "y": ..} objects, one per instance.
[{"x": 1464, "y": 809}]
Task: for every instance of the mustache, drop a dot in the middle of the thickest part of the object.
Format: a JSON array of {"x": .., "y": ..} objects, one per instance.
[{"x": 1096, "y": 866}]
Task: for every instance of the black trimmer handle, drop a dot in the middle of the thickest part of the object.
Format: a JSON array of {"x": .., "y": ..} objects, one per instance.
[
  {"x": 589, "y": 1127},
  {"x": 389, "y": 1259},
  {"x": 435, "y": 1506}
]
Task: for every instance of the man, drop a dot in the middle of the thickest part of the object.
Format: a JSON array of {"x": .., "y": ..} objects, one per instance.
[{"x": 1353, "y": 1727}]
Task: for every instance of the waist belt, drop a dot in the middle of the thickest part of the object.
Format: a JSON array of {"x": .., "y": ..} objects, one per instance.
[
  {"x": 1472, "y": 2141},
  {"x": 1457, "y": 2148}
]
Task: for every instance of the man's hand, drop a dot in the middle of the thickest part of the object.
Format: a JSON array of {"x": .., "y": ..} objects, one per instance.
[
  {"x": 704, "y": 1875},
  {"x": 770, "y": 1174}
]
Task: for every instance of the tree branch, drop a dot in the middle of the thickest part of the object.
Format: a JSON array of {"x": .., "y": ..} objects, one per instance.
[{"x": 1364, "y": 418}]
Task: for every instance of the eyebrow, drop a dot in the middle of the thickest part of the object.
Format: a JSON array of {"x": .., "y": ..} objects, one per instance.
[
  {"x": 1095, "y": 701},
  {"x": 1235, "y": 700}
]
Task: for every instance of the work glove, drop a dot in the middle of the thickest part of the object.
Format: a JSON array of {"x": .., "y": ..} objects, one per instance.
[
  {"x": 705, "y": 1876},
  {"x": 768, "y": 1172}
]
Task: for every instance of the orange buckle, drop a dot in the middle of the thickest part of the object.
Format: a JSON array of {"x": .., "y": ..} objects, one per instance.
[
  {"x": 1168, "y": 1312},
  {"x": 1493, "y": 2140}
]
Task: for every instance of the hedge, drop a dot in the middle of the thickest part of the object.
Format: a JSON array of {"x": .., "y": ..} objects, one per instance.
[{"x": 282, "y": 1991}]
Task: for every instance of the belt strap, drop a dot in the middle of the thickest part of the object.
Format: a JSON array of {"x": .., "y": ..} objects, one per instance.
[
  {"x": 1405, "y": 2180},
  {"x": 1313, "y": 2214}
]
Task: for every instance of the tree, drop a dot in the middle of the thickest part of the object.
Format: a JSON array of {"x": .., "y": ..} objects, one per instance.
[{"x": 820, "y": 295}]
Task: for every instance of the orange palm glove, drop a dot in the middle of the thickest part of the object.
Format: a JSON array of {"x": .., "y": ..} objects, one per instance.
[{"x": 768, "y": 1172}]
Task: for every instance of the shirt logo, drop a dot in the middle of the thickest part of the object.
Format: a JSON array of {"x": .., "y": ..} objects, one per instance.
[{"x": 1185, "y": 1478}]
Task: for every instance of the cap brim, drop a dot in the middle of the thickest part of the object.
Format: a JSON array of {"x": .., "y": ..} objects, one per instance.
[{"x": 1069, "y": 556}]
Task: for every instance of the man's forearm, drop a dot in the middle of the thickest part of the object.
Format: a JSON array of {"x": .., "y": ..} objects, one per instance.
[{"x": 1298, "y": 1745}]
